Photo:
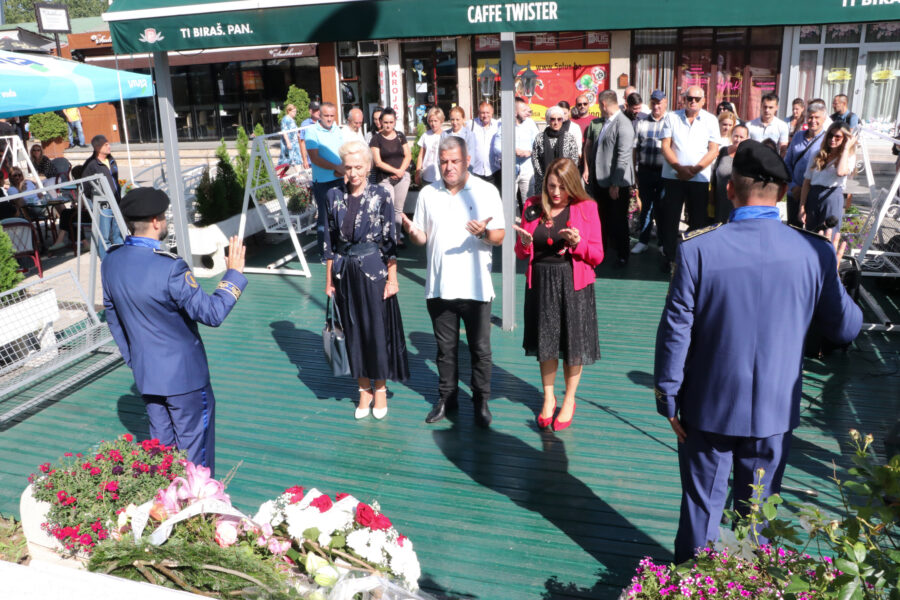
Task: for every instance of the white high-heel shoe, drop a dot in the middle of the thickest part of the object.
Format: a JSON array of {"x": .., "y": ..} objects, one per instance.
[
  {"x": 379, "y": 413},
  {"x": 362, "y": 413}
]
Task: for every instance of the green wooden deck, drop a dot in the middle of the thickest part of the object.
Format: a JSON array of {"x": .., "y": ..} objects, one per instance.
[{"x": 508, "y": 513}]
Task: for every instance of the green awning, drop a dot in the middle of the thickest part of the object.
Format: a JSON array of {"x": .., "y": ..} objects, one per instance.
[{"x": 161, "y": 25}]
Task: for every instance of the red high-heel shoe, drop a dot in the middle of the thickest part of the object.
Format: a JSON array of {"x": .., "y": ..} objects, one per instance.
[
  {"x": 544, "y": 423},
  {"x": 560, "y": 425}
]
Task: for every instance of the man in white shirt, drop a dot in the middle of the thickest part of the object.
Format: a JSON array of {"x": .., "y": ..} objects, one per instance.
[
  {"x": 690, "y": 144},
  {"x": 352, "y": 129},
  {"x": 459, "y": 219},
  {"x": 484, "y": 128},
  {"x": 526, "y": 131},
  {"x": 768, "y": 125}
]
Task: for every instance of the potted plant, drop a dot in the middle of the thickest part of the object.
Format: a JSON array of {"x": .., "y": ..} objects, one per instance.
[{"x": 53, "y": 132}]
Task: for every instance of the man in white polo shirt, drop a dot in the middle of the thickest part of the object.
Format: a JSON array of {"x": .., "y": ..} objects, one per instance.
[
  {"x": 768, "y": 126},
  {"x": 690, "y": 144},
  {"x": 460, "y": 219}
]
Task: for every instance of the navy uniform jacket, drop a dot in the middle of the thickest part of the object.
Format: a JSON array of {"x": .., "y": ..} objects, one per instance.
[
  {"x": 729, "y": 348},
  {"x": 152, "y": 305}
]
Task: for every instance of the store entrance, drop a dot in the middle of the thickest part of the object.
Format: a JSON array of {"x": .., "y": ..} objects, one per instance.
[{"x": 430, "y": 80}]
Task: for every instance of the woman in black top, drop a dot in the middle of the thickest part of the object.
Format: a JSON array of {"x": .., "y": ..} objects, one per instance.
[
  {"x": 392, "y": 156},
  {"x": 42, "y": 162}
]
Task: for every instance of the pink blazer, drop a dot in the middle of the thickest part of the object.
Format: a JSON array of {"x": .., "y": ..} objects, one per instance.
[{"x": 585, "y": 256}]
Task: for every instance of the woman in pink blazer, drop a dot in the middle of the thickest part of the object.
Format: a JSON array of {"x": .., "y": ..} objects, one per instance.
[{"x": 560, "y": 238}]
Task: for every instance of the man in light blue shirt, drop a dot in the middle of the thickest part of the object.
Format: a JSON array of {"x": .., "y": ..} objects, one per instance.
[
  {"x": 484, "y": 128},
  {"x": 803, "y": 147},
  {"x": 312, "y": 119},
  {"x": 323, "y": 141},
  {"x": 690, "y": 144}
]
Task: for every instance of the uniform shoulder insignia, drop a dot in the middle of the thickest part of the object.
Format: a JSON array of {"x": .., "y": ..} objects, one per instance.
[
  {"x": 689, "y": 235},
  {"x": 164, "y": 253},
  {"x": 808, "y": 232}
]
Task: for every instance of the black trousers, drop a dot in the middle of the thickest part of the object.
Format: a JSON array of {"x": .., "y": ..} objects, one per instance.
[
  {"x": 616, "y": 223},
  {"x": 793, "y": 210},
  {"x": 677, "y": 193},
  {"x": 650, "y": 185},
  {"x": 476, "y": 317}
]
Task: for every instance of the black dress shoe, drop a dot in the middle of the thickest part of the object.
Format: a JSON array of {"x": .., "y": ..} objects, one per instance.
[
  {"x": 440, "y": 410},
  {"x": 483, "y": 415}
]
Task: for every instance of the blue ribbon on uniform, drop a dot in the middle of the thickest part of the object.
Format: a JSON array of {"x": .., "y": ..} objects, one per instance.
[
  {"x": 143, "y": 242},
  {"x": 754, "y": 212}
]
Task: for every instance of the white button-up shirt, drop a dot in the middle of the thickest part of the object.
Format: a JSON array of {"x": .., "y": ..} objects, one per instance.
[
  {"x": 458, "y": 263},
  {"x": 690, "y": 141},
  {"x": 778, "y": 131},
  {"x": 481, "y": 153}
]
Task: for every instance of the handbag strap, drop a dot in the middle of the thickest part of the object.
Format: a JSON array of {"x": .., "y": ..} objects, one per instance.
[{"x": 333, "y": 315}]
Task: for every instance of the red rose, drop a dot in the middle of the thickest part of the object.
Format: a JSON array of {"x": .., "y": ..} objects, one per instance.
[
  {"x": 380, "y": 522},
  {"x": 323, "y": 503},
  {"x": 86, "y": 540},
  {"x": 99, "y": 457},
  {"x": 99, "y": 496},
  {"x": 340, "y": 496},
  {"x": 95, "y": 471},
  {"x": 86, "y": 466},
  {"x": 112, "y": 486},
  {"x": 44, "y": 467},
  {"x": 364, "y": 514},
  {"x": 96, "y": 526},
  {"x": 128, "y": 437},
  {"x": 296, "y": 493},
  {"x": 61, "y": 495}
]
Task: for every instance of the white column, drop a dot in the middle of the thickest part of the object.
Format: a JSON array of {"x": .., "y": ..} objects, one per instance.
[
  {"x": 173, "y": 161},
  {"x": 464, "y": 76},
  {"x": 395, "y": 83},
  {"x": 508, "y": 157}
]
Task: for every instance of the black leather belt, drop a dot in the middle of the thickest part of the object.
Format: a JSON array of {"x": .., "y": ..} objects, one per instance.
[{"x": 361, "y": 249}]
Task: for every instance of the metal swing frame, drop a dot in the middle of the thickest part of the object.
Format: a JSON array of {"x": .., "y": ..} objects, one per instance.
[
  {"x": 18, "y": 155},
  {"x": 261, "y": 175},
  {"x": 873, "y": 262}
]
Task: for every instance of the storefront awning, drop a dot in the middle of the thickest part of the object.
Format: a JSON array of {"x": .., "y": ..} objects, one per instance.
[
  {"x": 32, "y": 84},
  {"x": 160, "y": 25}
]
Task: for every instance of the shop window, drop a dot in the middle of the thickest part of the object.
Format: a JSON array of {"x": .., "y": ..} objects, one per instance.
[
  {"x": 655, "y": 71},
  {"x": 694, "y": 70},
  {"x": 811, "y": 34},
  {"x": 882, "y": 89},
  {"x": 701, "y": 36},
  {"x": 838, "y": 69},
  {"x": 655, "y": 37},
  {"x": 766, "y": 36},
  {"x": 806, "y": 82},
  {"x": 883, "y": 32},
  {"x": 730, "y": 78},
  {"x": 763, "y": 80},
  {"x": 731, "y": 36},
  {"x": 845, "y": 33}
]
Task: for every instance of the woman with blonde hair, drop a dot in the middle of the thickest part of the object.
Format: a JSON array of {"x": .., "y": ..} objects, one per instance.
[
  {"x": 361, "y": 275},
  {"x": 427, "y": 171},
  {"x": 727, "y": 121},
  {"x": 561, "y": 239},
  {"x": 822, "y": 195},
  {"x": 458, "y": 128},
  {"x": 290, "y": 138}
]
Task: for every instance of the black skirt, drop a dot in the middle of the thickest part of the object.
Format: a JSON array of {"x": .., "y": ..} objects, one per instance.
[
  {"x": 373, "y": 328},
  {"x": 559, "y": 321}
]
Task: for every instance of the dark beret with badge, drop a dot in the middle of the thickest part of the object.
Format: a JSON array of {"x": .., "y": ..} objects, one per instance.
[
  {"x": 144, "y": 203},
  {"x": 760, "y": 163}
]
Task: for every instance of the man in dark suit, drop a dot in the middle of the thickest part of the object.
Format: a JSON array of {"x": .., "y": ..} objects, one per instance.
[
  {"x": 729, "y": 349},
  {"x": 153, "y": 304},
  {"x": 614, "y": 168}
]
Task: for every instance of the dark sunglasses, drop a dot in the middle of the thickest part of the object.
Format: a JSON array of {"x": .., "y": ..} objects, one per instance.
[
  {"x": 693, "y": 98},
  {"x": 581, "y": 104}
]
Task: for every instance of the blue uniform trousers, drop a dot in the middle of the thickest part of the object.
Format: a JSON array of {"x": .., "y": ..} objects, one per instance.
[
  {"x": 186, "y": 421},
  {"x": 706, "y": 460}
]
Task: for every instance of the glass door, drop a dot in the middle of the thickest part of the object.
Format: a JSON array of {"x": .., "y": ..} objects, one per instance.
[
  {"x": 882, "y": 90},
  {"x": 838, "y": 73}
]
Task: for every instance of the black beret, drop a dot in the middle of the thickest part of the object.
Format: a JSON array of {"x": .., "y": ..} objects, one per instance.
[
  {"x": 144, "y": 202},
  {"x": 760, "y": 163}
]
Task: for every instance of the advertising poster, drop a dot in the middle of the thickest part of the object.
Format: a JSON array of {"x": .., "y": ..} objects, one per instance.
[{"x": 563, "y": 76}]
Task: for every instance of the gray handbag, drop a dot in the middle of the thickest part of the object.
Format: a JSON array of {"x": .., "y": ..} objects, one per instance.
[{"x": 334, "y": 343}]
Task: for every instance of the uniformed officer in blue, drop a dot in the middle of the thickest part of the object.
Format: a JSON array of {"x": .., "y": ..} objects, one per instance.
[
  {"x": 729, "y": 349},
  {"x": 153, "y": 304}
]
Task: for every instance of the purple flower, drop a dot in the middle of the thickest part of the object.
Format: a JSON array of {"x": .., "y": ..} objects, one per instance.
[{"x": 117, "y": 470}]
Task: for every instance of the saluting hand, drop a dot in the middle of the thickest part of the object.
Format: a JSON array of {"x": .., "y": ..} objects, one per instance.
[
  {"x": 524, "y": 237},
  {"x": 236, "y": 251},
  {"x": 476, "y": 227}
]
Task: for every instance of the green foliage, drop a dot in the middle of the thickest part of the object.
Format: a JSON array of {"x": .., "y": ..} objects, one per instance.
[
  {"x": 258, "y": 130},
  {"x": 22, "y": 11},
  {"x": 298, "y": 196},
  {"x": 48, "y": 126},
  {"x": 195, "y": 567},
  {"x": 299, "y": 98},
  {"x": 242, "y": 159},
  {"x": 221, "y": 195},
  {"x": 10, "y": 276},
  {"x": 13, "y": 545},
  {"x": 414, "y": 148}
]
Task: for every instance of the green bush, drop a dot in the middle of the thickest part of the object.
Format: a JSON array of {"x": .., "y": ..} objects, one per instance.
[
  {"x": 221, "y": 196},
  {"x": 299, "y": 98},
  {"x": 10, "y": 276},
  {"x": 48, "y": 126}
]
